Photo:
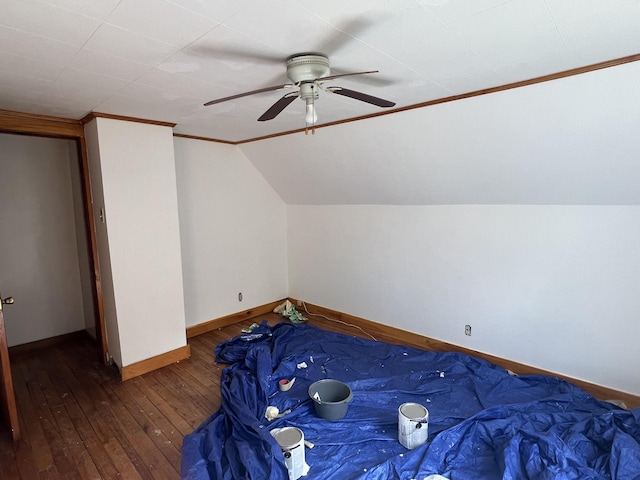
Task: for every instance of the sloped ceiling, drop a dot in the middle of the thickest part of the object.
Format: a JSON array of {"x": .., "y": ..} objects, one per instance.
[
  {"x": 163, "y": 59},
  {"x": 570, "y": 141}
]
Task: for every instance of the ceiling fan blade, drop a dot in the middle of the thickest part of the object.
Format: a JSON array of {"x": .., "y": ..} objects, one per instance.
[
  {"x": 246, "y": 94},
  {"x": 278, "y": 107},
  {"x": 380, "y": 102},
  {"x": 233, "y": 53},
  {"x": 346, "y": 32},
  {"x": 371, "y": 80},
  {"x": 340, "y": 75}
]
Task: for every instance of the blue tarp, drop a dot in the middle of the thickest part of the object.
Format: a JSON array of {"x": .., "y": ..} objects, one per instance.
[{"x": 483, "y": 422}]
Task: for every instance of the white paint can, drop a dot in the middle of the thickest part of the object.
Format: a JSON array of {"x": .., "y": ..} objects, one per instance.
[
  {"x": 413, "y": 425},
  {"x": 291, "y": 441}
]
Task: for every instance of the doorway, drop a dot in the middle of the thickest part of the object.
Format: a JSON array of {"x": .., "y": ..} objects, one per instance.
[
  {"x": 61, "y": 128},
  {"x": 45, "y": 252}
]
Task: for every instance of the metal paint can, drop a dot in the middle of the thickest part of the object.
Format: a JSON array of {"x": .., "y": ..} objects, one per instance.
[
  {"x": 413, "y": 425},
  {"x": 291, "y": 441}
]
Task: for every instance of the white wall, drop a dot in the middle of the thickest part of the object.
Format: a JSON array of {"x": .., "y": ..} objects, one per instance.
[
  {"x": 550, "y": 286},
  {"x": 233, "y": 232},
  {"x": 39, "y": 255},
  {"x": 138, "y": 179}
]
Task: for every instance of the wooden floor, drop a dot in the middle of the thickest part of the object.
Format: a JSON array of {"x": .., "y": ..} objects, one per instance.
[{"x": 79, "y": 421}]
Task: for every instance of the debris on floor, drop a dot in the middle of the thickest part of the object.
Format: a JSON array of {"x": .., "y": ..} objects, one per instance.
[
  {"x": 287, "y": 310},
  {"x": 250, "y": 329}
]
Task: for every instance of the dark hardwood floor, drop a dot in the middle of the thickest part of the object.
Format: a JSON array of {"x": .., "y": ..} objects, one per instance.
[{"x": 79, "y": 421}]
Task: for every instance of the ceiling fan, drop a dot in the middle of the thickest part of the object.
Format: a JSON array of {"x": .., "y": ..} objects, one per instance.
[{"x": 308, "y": 72}]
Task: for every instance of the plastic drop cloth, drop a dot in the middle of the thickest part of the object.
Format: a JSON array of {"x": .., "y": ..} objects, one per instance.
[{"x": 483, "y": 422}]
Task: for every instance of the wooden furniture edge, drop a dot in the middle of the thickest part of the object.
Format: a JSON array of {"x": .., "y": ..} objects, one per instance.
[
  {"x": 216, "y": 323},
  {"x": 398, "y": 336},
  {"x": 150, "y": 364}
]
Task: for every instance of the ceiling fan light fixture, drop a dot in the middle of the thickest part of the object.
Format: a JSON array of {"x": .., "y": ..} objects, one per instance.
[
  {"x": 309, "y": 93},
  {"x": 311, "y": 117}
]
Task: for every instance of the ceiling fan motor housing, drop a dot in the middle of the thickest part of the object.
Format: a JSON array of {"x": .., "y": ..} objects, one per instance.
[{"x": 307, "y": 67}]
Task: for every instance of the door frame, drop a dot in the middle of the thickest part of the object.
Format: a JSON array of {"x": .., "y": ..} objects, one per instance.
[
  {"x": 56, "y": 127},
  {"x": 8, "y": 398}
]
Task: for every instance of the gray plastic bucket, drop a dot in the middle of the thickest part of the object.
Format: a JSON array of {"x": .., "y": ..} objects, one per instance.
[{"x": 331, "y": 398}]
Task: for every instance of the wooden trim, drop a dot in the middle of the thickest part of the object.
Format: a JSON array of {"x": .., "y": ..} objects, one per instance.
[
  {"x": 7, "y": 393},
  {"x": 40, "y": 125},
  {"x": 395, "y": 335},
  {"x": 205, "y": 139},
  {"x": 205, "y": 327},
  {"x": 87, "y": 118},
  {"x": 92, "y": 238},
  {"x": 476, "y": 93},
  {"x": 508, "y": 86},
  {"x": 150, "y": 364},
  {"x": 302, "y": 130}
]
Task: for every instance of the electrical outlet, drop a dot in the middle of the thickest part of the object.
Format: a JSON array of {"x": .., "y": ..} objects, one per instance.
[
  {"x": 467, "y": 330},
  {"x": 240, "y": 296}
]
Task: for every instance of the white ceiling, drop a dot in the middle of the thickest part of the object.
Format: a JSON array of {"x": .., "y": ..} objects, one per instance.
[{"x": 163, "y": 59}]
